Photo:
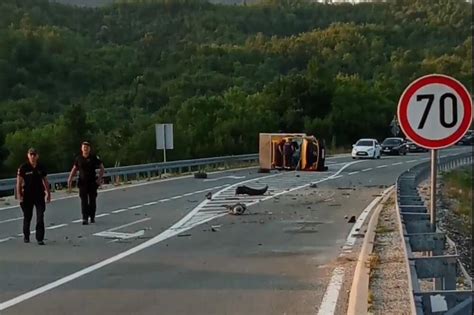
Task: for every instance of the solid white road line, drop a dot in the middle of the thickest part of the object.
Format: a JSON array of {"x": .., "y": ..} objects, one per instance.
[{"x": 329, "y": 303}]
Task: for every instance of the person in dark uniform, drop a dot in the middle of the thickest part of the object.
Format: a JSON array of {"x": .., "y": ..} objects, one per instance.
[
  {"x": 87, "y": 163},
  {"x": 31, "y": 187}
]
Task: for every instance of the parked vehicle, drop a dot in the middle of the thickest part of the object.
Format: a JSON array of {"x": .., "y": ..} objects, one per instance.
[
  {"x": 413, "y": 147},
  {"x": 366, "y": 148},
  {"x": 395, "y": 146},
  {"x": 468, "y": 139}
]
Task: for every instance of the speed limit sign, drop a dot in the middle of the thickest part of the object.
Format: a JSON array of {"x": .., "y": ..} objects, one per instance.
[{"x": 435, "y": 111}]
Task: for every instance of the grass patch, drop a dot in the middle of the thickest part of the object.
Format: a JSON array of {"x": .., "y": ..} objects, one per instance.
[
  {"x": 458, "y": 186},
  {"x": 370, "y": 299},
  {"x": 383, "y": 230},
  {"x": 373, "y": 262}
]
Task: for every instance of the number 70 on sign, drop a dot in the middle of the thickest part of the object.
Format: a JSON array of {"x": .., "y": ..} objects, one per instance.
[{"x": 435, "y": 111}]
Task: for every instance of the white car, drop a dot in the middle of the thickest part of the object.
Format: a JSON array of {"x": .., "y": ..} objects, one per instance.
[{"x": 366, "y": 148}]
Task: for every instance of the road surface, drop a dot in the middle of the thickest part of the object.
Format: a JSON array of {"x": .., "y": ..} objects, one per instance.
[{"x": 163, "y": 248}]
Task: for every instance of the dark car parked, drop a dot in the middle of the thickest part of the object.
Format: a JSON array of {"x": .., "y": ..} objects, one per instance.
[
  {"x": 394, "y": 146},
  {"x": 413, "y": 147},
  {"x": 468, "y": 139}
]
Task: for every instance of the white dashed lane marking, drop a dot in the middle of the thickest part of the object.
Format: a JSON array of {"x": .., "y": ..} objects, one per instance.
[
  {"x": 11, "y": 220},
  {"x": 56, "y": 226},
  {"x": 119, "y": 210}
]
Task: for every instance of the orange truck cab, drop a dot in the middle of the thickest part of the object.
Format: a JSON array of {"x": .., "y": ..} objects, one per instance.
[{"x": 291, "y": 151}]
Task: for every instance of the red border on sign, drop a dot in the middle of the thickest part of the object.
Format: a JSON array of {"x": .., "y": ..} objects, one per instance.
[{"x": 402, "y": 111}]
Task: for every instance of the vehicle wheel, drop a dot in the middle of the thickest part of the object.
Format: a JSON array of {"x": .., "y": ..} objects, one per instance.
[
  {"x": 353, "y": 158},
  {"x": 405, "y": 153}
]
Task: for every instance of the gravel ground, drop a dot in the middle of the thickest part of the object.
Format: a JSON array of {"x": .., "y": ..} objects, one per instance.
[{"x": 389, "y": 279}]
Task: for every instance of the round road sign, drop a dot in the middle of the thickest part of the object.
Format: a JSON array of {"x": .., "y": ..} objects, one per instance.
[{"x": 435, "y": 111}]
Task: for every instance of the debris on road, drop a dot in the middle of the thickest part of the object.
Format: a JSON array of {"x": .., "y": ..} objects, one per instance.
[
  {"x": 209, "y": 195},
  {"x": 313, "y": 185},
  {"x": 215, "y": 228},
  {"x": 200, "y": 175},
  {"x": 184, "y": 235},
  {"x": 237, "y": 209},
  {"x": 245, "y": 190},
  {"x": 352, "y": 219}
]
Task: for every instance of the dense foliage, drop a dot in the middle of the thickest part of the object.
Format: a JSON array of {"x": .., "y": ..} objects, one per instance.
[{"x": 221, "y": 74}]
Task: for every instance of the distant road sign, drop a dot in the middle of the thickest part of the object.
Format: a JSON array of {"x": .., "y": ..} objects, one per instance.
[
  {"x": 164, "y": 136},
  {"x": 394, "y": 127},
  {"x": 435, "y": 111}
]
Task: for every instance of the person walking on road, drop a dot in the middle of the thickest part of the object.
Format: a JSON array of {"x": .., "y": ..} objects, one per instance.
[
  {"x": 87, "y": 163},
  {"x": 32, "y": 190}
]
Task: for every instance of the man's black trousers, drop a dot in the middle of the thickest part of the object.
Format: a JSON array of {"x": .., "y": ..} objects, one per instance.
[
  {"x": 88, "y": 195},
  {"x": 27, "y": 208}
]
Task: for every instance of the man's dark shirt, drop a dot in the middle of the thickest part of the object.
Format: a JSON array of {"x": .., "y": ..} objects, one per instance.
[
  {"x": 87, "y": 167},
  {"x": 33, "y": 180}
]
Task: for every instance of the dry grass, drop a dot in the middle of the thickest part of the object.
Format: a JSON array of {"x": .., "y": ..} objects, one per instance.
[
  {"x": 384, "y": 230},
  {"x": 373, "y": 262},
  {"x": 370, "y": 300}
]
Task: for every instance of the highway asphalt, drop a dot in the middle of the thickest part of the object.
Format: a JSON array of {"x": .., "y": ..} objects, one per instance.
[{"x": 163, "y": 248}]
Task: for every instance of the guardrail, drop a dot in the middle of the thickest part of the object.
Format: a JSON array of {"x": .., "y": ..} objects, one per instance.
[
  {"x": 148, "y": 170},
  {"x": 421, "y": 237}
]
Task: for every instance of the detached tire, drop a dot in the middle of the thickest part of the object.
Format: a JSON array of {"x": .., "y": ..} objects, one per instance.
[{"x": 200, "y": 175}]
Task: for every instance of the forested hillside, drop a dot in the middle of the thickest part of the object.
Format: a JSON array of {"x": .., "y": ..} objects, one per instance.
[{"x": 221, "y": 74}]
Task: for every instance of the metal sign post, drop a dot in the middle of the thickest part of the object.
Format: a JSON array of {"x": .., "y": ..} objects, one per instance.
[
  {"x": 164, "y": 146},
  {"x": 434, "y": 168},
  {"x": 437, "y": 283}
]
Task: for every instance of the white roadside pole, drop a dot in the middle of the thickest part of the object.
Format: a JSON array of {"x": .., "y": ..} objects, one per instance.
[{"x": 435, "y": 112}]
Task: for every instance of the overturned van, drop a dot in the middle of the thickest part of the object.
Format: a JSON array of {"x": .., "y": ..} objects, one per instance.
[{"x": 291, "y": 151}]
